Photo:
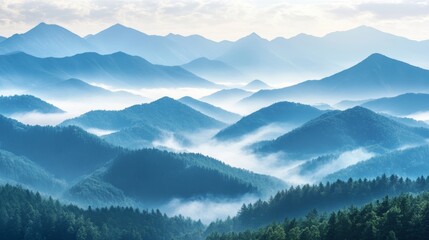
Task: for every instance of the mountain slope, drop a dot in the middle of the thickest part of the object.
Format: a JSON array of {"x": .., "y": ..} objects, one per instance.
[
  {"x": 117, "y": 69},
  {"x": 52, "y": 219},
  {"x": 338, "y": 131},
  {"x": 46, "y": 40},
  {"x": 412, "y": 163},
  {"x": 66, "y": 152},
  {"x": 142, "y": 123},
  {"x": 25, "y": 103},
  {"x": 376, "y": 76},
  {"x": 20, "y": 170},
  {"x": 176, "y": 176},
  {"x": 210, "y": 110},
  {"x": 286, "y": 113},
  {"x": 404, "y": 104},
  {"x": 214, "y": 70}
]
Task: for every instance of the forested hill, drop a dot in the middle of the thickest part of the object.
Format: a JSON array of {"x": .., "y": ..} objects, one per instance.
[
  {"x": 404, "y": 217},
  {"x": 298, "y": 201},
  {"x": 27, "y": 215}
]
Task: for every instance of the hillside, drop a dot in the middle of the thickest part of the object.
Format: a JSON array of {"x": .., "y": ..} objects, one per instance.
[
  {"x": 285, "y": 113},
  {"x": 306, "y": 200},
  {"x": 66, "y": 152},
  {"x": 387, "y": 218},
  {"x": 139, "y": 125},
  {"x": 412, "y": 163},
  {"x": 20, "y": 170},
  {"x": 180, "y": 176},
  {"x": 24, "y": 104},
  {"x": 55, "y": 220},
  {"x": 339, "y": 131}
]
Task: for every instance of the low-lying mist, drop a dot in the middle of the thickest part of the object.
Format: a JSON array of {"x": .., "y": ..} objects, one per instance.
[{"x": 207, "y": 210}]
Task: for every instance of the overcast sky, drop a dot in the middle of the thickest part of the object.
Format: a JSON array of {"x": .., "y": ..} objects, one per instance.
[{"x": 220, "y": 19}]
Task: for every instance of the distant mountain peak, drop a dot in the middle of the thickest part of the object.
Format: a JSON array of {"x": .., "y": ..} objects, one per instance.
[
  {"x": 164, "y": 100},
  {"x": 252, "y": 37}
]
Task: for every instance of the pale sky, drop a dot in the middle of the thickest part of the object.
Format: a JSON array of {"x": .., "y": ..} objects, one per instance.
[{"x": 220, "y": 19}]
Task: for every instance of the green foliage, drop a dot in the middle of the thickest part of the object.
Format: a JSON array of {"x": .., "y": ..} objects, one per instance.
[
  {"x": 411, "y": 162},
  {"x": 281, "y": 112},
  {"x": 27, "y": 215},
  {"x": 297, "y": 201},
  {"x": 403, "y": 217},
  {"x": 339, "y": 131},
  {"x": 184, "y": 175},
  {"x": 67, "y": 152}
]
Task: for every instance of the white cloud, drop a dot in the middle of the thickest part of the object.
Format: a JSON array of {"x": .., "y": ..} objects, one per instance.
[{"x": 219, "y": 19}]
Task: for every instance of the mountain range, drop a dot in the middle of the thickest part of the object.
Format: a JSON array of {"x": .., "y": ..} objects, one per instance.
[
  {"x": 25, "y": 103},
  {"x": 303, "y": 54},
  {"x": 374, "y": 77},
  {"x": 117, "y": 69},
  {"x": 139, "y": 125},
  {"x": 339, "y": 131}
]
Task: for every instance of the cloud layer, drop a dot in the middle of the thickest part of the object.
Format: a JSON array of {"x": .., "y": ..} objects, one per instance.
[{"x": 219, "y": 19}]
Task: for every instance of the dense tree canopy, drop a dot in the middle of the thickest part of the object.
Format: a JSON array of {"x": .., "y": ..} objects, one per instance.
[
  {"x": 27, "y": 215},
  {"x": 404, "y": 217}
]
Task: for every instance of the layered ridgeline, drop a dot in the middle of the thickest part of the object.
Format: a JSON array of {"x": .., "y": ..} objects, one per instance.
[
  {"x": 27, "y": 215},
  {"x": 167, "y": 50},
  {"x": 376, "y": 76},
  {"x": 404, "y": 104},
  {"x": 403, "y": 217},
  {"x": 300, "y": 200},
  {"x": 214, "y": 70},
  {"x": 65, "y": 152},
  {"x": 299, "y": 55},
  {"x": 152, "y": 176},
  {"x": 139, "y": 125},
  {"x": 117, "y": 69},
  {"x": 78, "y": 90},
  {"x": 24, "y": 104},
  {"x": 210, "y": 110},
  {"x": 282, "y": 113},
  {"x": 339, "y": 131}
]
